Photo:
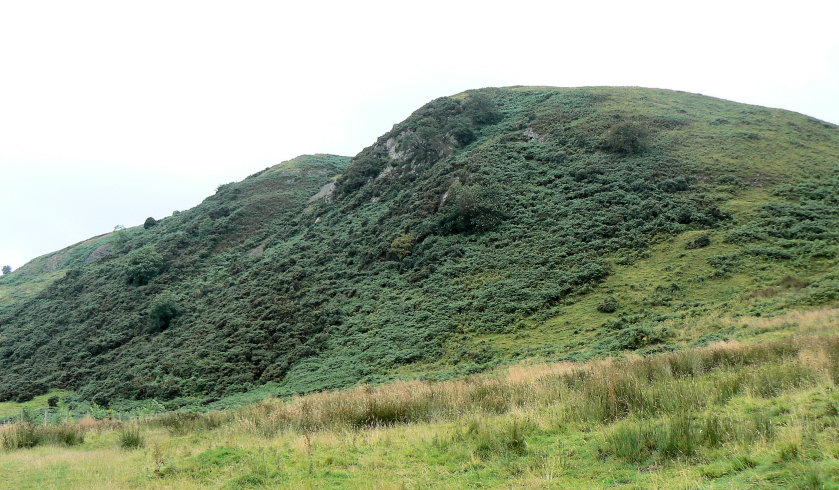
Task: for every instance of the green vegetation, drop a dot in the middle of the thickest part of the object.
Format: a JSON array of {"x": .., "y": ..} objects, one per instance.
[
  {"x": 727, "y": 414},
  {"x": 487, "y": 228}
]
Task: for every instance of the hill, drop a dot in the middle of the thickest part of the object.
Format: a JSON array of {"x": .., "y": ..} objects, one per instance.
[{"x": 489, "y": 227}]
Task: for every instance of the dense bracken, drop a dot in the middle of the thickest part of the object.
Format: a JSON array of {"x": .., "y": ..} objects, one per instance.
[{"x": 482, "y": 214}]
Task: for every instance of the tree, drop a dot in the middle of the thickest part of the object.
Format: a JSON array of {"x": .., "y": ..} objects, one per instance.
[
  {"x": 472, "y": 208},
  {"x": 401, "y": 246},
  {"x": 7, "y": 269},
  {"x": 426, "y": 144},
  {"x": 149, "y": 223},
  {"x": 120, "y": 237},
  {"x": 482, "y": 109}
]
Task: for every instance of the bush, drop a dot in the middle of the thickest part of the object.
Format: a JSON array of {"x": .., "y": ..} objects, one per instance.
[
  {"x": 472, "y": 208},
  {"x": 490, "y": 440},
  {"x": 66, "y": 434},
  {"x": 149, "y": 223},
  {"x": 482, "y": 109},
  {"x": 426, "y": 144},
  {"x": 17, "y": 436},
  {"x": 52, "y": 401},
  {"x": 460, "y": 128},
  {"x": 163, "y": 310},
  {"x": 401, "y": 246},
  {"x": 626, "y": 138},
  {"x": 142, "y": 266},
  {"x": 608, "y": 305},
  {"x": 701, "y": 241}
]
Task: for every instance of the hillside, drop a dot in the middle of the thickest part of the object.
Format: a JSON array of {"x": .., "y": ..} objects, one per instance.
[
  {"x": 726, "y": 415},
  {"x": 489, "y": 227}
]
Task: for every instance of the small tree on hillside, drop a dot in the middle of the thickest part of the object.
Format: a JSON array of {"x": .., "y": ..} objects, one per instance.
[
  {"x": 481, "y": 108},
  {"x": 401, "y": 246},
  {"x": 472, "y": 208},
  {"x": 7, "y": 269}
]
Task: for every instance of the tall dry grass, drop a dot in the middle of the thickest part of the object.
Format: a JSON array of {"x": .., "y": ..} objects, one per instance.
[
  {"x": 600, "y": 391},
  {"x": 596, "y": 392}
]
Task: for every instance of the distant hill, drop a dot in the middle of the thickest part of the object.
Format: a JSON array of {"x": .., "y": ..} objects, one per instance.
[{"x": 491, "y": 226}]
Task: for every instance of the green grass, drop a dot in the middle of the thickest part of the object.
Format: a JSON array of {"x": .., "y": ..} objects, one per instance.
[{"x": 728, "y": 415}]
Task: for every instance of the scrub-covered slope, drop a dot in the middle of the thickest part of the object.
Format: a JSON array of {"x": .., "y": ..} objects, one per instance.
[{"x": 493, "y": 225}]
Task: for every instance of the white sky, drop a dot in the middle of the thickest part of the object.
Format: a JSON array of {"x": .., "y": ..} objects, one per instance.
[{"x": 114, "y": 111}]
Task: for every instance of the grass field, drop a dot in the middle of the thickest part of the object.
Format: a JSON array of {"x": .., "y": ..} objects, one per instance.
[{"x": 728, "y": 414}]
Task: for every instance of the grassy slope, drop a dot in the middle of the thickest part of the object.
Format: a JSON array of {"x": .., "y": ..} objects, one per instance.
[
  {"x": 318, "y": 285},
  {"x": 727, "y": 415}
]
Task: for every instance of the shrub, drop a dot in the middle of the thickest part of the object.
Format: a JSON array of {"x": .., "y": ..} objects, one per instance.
[
  {"x": 426, "y": 144},
  {"x": 460, "y": 128},
  {"x": 608, "y": 305},
  {"x": 401, "y": 246},
  {"x": 52, "y": 401},
  {"x": 481, "y": 108},
  {"x": 16, "y": 436},
  {"x": 67, "y": 434},
  {"x": 149, "y": 223},
  {"x": 488, "y": 440},
  {"x": 161, "y": 313},
  {"x": 701, "y": 241},
  {"x": 143, "y": 265},
  {"x": 472, "y": 208},
  {"x": 626, "y": 138}
]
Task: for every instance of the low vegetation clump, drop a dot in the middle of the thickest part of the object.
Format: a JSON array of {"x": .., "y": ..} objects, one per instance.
[
  {"x": 25, "y": 434},
  {"x": 130, "y": 437}
]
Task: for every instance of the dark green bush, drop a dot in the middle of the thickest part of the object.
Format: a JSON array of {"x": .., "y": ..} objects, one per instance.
[
  {"x": 701, "y": 241},
  {"x": 141, "y": 266},
  {"x": 626, "y": 138},
  {"x": 472, "y": 208},
  {"x": 608, "y": 305},
  {"x": 149, "y": 223},
  {"x": 482, "y": 109},
  {"x": 161, "y": 313}
]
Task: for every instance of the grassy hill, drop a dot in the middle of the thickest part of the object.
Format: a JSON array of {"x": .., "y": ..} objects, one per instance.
[{"x": 489, "y": 227}]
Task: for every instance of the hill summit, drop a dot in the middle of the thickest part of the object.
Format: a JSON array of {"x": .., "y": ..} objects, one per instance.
[{"x": 490, "y": 226}]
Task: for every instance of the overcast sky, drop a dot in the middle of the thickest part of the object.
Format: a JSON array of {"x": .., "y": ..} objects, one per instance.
[{"x": 114, "y": 111}]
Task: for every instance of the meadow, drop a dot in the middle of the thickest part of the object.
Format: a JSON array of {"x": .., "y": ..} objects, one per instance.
[{"x": 762, "y": 412}]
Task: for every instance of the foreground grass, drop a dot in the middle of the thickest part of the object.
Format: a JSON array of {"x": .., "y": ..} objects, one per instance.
[{"x": 727, "y": 415}]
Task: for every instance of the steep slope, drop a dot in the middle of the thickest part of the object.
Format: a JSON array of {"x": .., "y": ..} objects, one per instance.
[{"x": 493, "y": 225}]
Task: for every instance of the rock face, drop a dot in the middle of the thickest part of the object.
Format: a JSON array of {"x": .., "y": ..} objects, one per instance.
[
  {"x": 325, "y": 192},
  {"x": 100, "y": 252}
]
